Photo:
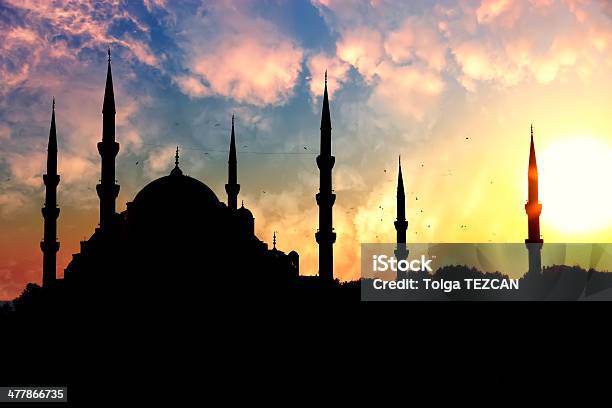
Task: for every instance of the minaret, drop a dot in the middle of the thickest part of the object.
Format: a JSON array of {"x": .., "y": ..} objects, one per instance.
[
  {"x": 50, "y": 212},
  {"x": 533, "y": 208},
  {"x": 108, "y": 149},
  {"x": 401, "y": 225},
  {"x": 232, "y": 187},
  {"x": 325, "y": 198}
]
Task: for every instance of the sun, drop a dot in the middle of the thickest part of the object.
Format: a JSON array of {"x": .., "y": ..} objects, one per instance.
[{"x": 575, "y": 185}]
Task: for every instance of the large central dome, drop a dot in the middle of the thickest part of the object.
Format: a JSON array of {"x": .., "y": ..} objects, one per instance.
[{"x": 177, "y": 189}]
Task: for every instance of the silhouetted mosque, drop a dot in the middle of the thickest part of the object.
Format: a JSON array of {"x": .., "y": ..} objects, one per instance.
[
  {"x": 176, "y": 234},
  {"x": 178, "y": 244}
]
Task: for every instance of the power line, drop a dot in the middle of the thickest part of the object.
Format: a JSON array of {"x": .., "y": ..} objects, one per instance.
[{"x": 227, "y": 151}]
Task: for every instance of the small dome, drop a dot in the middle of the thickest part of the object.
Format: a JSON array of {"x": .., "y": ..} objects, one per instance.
[{"x": 244, "y": 212}]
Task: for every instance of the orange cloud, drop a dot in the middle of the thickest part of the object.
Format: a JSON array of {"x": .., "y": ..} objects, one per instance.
[
  {"x": 244, "y": 58},
  {"x": 248, "y": 71},
  {"x": 362, "y": 48},
  {"x": 489, "y": 10},
  {"x": 337, "y": 73},
  {"x": 11, "y": 201},
  {"x": 406, "y": 90},
  {"x": 417, "y": 39},
  {"x": 5, "y": 132},
  {"x": 27, "y": 169},
  {"x": 53, "y": 20},
  {"x": 192, "y": 85}
]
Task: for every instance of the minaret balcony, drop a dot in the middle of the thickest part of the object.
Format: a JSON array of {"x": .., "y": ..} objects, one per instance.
[
  {"x": 325, "y": 162},
  {"x": 50, "y": 213},
  {"x": 108, "y": 148},
  {"x": 401, "y": 224},
  {"x": 323, "y": 237},
  {"x": 533, "y": 208},
  {"x": 232, "y": 188},
  {"x": 47, "y": 246},
  {"x": 325, "y": 199},
  {"x": 51, "y": 180},
  {"x": 101, "y": 188}
]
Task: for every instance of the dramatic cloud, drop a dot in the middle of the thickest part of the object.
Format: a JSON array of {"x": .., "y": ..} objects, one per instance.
[
  {"x": 337, "y": 74},
  {"x": 417, "y": 39},
  {"x": 11, "y": 202},
  {"x": 363, "y": 49},
  {"x": 45, "y": 31},
  {"x": 489, "y": 10},
  {"x": 444, "y": 83},
  {"x": 232, "y": 54},
  {"x": 405, "y": 90}
]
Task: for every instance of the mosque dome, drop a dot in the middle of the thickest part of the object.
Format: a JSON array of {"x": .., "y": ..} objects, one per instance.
[
  {"x": 244, "y": 213},
  {"x": 177, "y": 189},
  {"x": 246, "y": 219}
]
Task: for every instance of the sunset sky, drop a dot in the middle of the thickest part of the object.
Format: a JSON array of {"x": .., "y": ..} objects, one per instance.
[{"x": 451, "y": 85}]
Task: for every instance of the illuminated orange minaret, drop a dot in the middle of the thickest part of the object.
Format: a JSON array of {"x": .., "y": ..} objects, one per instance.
[{"x": 533, "y": 208}]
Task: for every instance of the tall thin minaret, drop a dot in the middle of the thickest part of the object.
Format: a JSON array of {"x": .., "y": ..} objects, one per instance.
[
  {"x": 533, "y": 208},
  {"x": 108, "y": 148},
  {"x": 401, "y": 225},
  {"x": 232, "y": 187},
  {"x": 325, "y": 198},
  {"x": 50, "y": 211}
]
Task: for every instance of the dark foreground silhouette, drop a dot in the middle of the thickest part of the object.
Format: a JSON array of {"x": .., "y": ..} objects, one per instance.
[{"x": 150, "y": 299}]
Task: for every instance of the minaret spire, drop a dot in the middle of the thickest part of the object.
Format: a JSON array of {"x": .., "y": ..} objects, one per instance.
[
  {"x": 232, "y": 187},
  {"x": 401, "y": 225},
  {"x": 326, "y": 236},
  {"x": 108, "y": 106},
  {"x": 50, "y": 211},
  {"x": 176, "y": 171},
  {"x": 108, "y": 148},
  {"x": 533, "y": 208},
  {"x": 274, "y": 240}
]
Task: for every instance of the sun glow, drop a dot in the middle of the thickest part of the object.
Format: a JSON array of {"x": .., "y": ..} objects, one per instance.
[{"x": 575, "y": 187}]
